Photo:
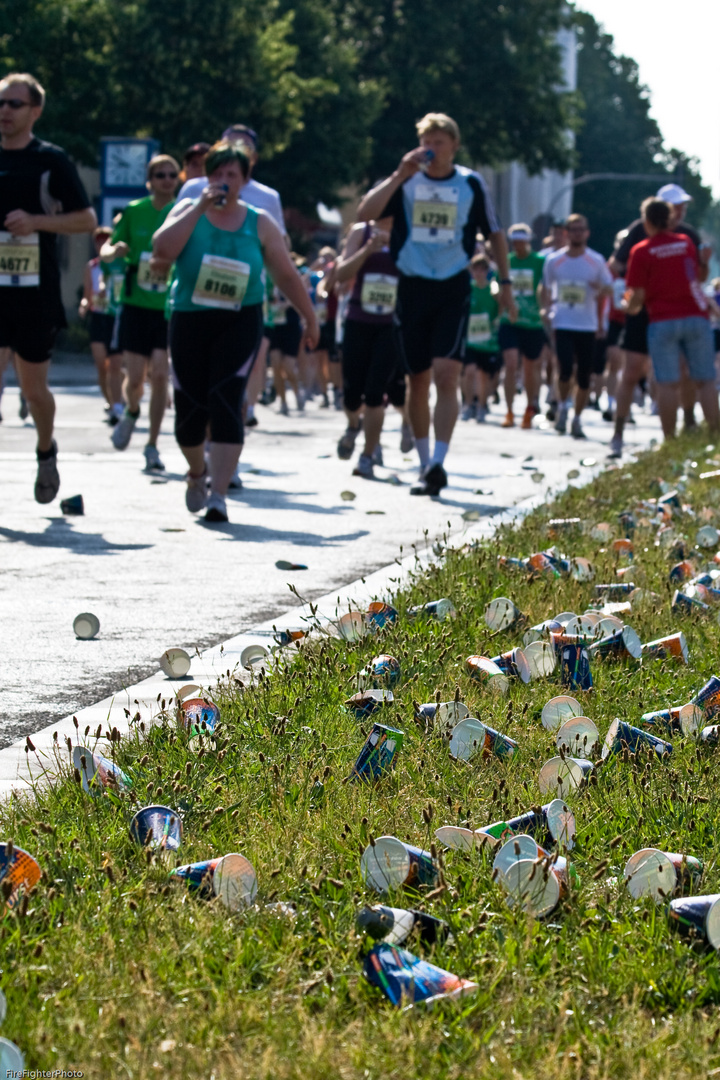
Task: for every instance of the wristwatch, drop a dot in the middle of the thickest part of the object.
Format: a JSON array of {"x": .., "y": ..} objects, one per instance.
[{"x": 505, "y": 281}]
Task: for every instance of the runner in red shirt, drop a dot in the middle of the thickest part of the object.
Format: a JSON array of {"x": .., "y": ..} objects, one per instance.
[{"x": 663, "y": 275}]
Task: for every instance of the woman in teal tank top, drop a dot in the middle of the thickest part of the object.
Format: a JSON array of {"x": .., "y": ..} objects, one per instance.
[{"x": 219, "y": 246}]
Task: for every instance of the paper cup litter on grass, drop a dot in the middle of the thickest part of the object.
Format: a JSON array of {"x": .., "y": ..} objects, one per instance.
[
  {"x": 649, "y": 872},
  {"x": 582, "y": 570},
  {"x": 559, "y": 775},
  {"x": 86, "y": 626},
  {"x": 436, "y": 609},
  {"x": 501, "y": 614},
  {"x": 697, "y": 916},
  {"x": 379, "y": 615},
  {"x": 450, "y": 713},
  {"x": 708, "y": 698},
  {"x": 381, "y": 672},
  {"x": 532, "y": 886},
  {"x": 366, "y": 702},
  {"x": 254, "y": 656},
  {"x": 541, "y": 632},
  {"x": 551, "y": 824},
  {"x": 12, "y": 1062},
  {"x": 707, "y": 537},
  {"x": 390, "y": 864},
  {"x": 98, "y": 772},
  {"x": 158, "y": 828},
  {"x": 575, "y": 667},
  {"x": 468, "y": 738},
  {"x": 352, "y": 626},
  {"x": 406, "y": 980},
  {"x": 482, "y": 669},
  {"x": 583, "y": 626},
  {"x": 564, "y": 617},
  {"x": 520, "y": 846},
  {"x": 672, "y": 646},
  {"x": 559, "y": 709},
  {"x": 682, "y": 719},
  {"x": 175, "y": 663},
  {"x": 379, "y": 753},
  {"x": 231, "y": 877},
  {"x": 541, "y": 659},
  {"x": 514, "y": 664},
  {"x": 20, "y": 870},
  {"x": 394, "y": 925},
  {"x": 199, "y": 716},
  {"x": 620, "y": 645},
  {"x": 623, "y": 736},
  {"x": 578, "y": 738},
  {"x": 457, "y": 838}
]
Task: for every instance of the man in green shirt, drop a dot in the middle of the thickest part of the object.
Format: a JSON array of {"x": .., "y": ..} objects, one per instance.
[
  {"x": 482, "y": 357},
  {"x": 143, "y": 327},
  {"x": 524, "y": 336}
]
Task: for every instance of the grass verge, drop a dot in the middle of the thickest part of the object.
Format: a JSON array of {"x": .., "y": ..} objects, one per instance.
[{"x": 111, "y": 969}]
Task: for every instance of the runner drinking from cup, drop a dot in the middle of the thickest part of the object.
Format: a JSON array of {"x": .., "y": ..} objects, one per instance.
[
  {"x": 41, "y": 195},
  {"x": 100, "y": 301},
  {"x": 219, "y": 246},
  {"x": 142, "y": 332},
  {"x": 437, "y": 208},
  {"x": 524, "y": 336}
]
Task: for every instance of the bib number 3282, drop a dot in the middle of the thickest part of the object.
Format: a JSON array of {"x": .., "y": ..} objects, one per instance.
[
  {"x": 221, "y": 283},
  {"x": 147, "y": 278}
]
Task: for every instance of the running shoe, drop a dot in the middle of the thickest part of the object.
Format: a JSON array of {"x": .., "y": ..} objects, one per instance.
[
  {"x": 23, "y": 411},
  {"x": 377, "y": 456},
  {"x": 346, "y": 443},
  {"x": 302, "y": 397},
  {"x": 283, "y": 410},
  {"x": 593, "y": 403},
  {"x": 407, "y": 439},
  {"x": 268, "y": 395},
  {"x": 47, "y": 481},
  {"x": 337, "y": 398},
  {"x": 527, "y": 419},
  {"x": 496, "y": 398},
  {"x": 122, "y": 432},
  {"x": 325, "y": 403},
  {"x": 562, "y": 415},
  {"x": 196, "y": 496},
  {"x": 616, "y": 447},
  {"x": 216, "y": 508},
  {"x": 252, "y": 421},
  {"x": 434, "y": 480},
  {"x": 364, "y": 468},
  {"x": 236, "y": 483},
  {"x": 468, "y": 412},
  {"x": 152, "y": 459},
  {"x": 551, "y": 410},
  {"x": 509, "y": 420},
  {"x": 576, "y": 429},
  {"x": 480, "y": 415},
  {"x": 608, "y": 415}
]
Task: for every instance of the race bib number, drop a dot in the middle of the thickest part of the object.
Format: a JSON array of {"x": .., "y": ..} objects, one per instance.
[
  {"x": 434, "y": 217},
  {"x": 618, "y": 292},
  {"x": 522, "y": 282},
  {"x": 572, "y": 294},
  {"x": 278, "y": 313},
  {"x": 221, "y": 283},
  {"x": 379, "y": 294},
  {"x": 116, "y": 287},
  {"x": 149, "y": 280},
  {"x": 19, "y": 259},
  {"x": 479, "y": 328}
]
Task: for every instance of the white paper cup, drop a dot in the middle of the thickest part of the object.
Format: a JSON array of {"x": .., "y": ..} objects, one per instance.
[
  {"x": 86, "y": 625},
  {"x": 558, "y": 777},
  {"x": 467, "y": 739},
  {"x": 564, "y": 617},
  {"x": 534, "y": 888},
  {"x": 457, "y": 838},
  {"x": 541, "y": 658},
  {"x": 253, "y": 655},
  {"x": 450, "y": 713},
  {"x": 582, "y": 570},
  {"x": 512, "y": 851},
  {"x": 501, "y": 613},
  {"x": 559, "y": 709},
  {"x": 234, "y": 882},
  {"x": 11, "y": 1058},
  {"x": 175, "y": 663},
  {"x": 649, "y": 872},
  {"x": 352, "y": 626},
  {"x": 579, "y": 737}
]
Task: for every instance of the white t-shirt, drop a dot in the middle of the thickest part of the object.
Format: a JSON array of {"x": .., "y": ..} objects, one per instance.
[
  {"x": 254, "y": 194},
  {"x": 574, "y": 283}
]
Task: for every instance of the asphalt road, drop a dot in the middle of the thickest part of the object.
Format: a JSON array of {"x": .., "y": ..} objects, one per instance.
[{"x": 156, "y": 576}]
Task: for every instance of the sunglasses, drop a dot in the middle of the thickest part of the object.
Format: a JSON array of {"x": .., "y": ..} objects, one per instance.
[
  {"x": 14, "y": 103},
  {"x": 164, "y": 176}
]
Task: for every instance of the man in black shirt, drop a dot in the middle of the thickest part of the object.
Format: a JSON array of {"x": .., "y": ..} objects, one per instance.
[
  {"x": 41, "y": 195},
  {"x": 635, "y": 335}
]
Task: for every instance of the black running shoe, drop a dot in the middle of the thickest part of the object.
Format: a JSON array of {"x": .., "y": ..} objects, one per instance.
[{"x": 433, "y": 482}]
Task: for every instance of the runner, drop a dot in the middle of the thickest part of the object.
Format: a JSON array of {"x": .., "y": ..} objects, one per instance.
[
  {"x": 481, "y": 370},
  {"x": 142, "y": 330},
  {"x": 102, "y": 289},
  {"x": 437, "y": 208},
  {"x": 370, "y": 359},
  {"x": 635, "y": 341},
  {"x": 193, "y": 162},
  {"x": 285, "y": 339},
  {"x": 575, "y": 283},
  {"x": 663, "y": 275},
  {"x": 524, "y": 336},
  {"x": 616, "y": 327},
  {"x": 41, "y": 195},
  {"x": 219, "y": 245}
]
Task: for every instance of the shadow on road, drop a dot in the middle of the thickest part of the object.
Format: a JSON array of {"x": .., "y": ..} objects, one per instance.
[{"x": 56, "y": 537}]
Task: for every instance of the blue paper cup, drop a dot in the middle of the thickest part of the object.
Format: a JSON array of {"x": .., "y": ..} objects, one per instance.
[
  {"x": 622, "y": 735},
  {"x": 697, "y": 916},
  {"x": 98, "y": 772},
  {"x": 158, "y": 828},
  {"x": 575, "y": 667}
]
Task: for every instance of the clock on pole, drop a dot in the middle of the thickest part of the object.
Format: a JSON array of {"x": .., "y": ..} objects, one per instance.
[{"x": 123, "y": 165}]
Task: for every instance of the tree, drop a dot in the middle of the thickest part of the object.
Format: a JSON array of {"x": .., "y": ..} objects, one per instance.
[{"x": 617, "y": 134}]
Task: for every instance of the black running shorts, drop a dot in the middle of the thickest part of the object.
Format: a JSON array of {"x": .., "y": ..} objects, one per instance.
[
  {"x": 528, "y": 340},
  {"x": 575, "y": 348},
  {"x": 287, "y": 337},
  {"x": 369, "y": 363},
  {"x": 142, "y": 330},
  {"x": 26, "y": 328},
  {"x": 635, "y": 336},
  {"x": 102, "y": 326},
  {"x": 431, "y": 320}
]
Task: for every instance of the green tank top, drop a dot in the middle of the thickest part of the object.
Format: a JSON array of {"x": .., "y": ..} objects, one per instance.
[{"x": 219, "y": 270}]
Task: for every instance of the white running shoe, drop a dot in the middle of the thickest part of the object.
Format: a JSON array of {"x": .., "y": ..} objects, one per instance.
[
  {"x": 123, "y": 430},
  {"x": 407, "y": 439},
  {"x": 152, "y": 459},
  {"x": 562, "y": 415},
  {"x": 468, "y": 412},
  {"x": 216, "y": 508},
  {"x": 576, "y": 429},
  {"x": 377, "y": 455},
  {"x": 616, "y": 447},
  {"x": 196, "y": 496},
  {"x": 364, "y": 468}
]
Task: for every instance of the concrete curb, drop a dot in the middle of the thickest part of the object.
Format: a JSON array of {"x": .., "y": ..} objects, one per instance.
[{"x": 21, "y": 768}]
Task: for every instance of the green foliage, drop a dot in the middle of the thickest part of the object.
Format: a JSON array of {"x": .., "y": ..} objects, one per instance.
[
  {"x": 618, "y": 134},
  {"x": 112, "y": 968}
]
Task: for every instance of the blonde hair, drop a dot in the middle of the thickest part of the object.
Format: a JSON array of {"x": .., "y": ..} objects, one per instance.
[
  {"x": 35, "y": 90},
  {"x": 438, "y": 121},
  {"x": 161, "y": 159}
]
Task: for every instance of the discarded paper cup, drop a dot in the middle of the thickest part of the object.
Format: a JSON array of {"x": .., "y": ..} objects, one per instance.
[
  {"x": 520, "y": 846},
  {"x": 435, "y": 609},
  {"x": 583, "y": 626},
  {"x": 390, "y": 864},
  {"x": 707, "y": 537},
  {"x": 288, "y": 637},
  {"x": 623, "y": 548},
  {"x": 697, "y": 916},
  {"x": 541, "y": 659},
  {"x": 582, "y": 570},
  {"x": 579, "y": 738},
  {"x": 689, "y": 869},
  {"x": 175, "y": 663},
  {"x": 197, "y": 876},
  {"x": 560, "y": 775},
  {"x": 481, "y": 669},
  {"x": 98, "y": 772},
  {"x": 253, "y": 655},
  {"x": 673, "y": 645},
  {"x": 379, "y": 615},
  {"x": 12, "y": 1062},
  {"x": 559, "y": 709},
  {"x": 564, "y": 617},
  {"x": 86, "y": 625},
  {"x": 378, "y": 754},
  {"x": 614, "y": 590},
  {"x": 685, "y": 719},
  {"x": 406, "y": 980},
  {"x": 514, "y": 664},
  {"x": 158, "y": 828},
  {"x": 601, "y": 531},
  {"x": 608, "y": 624},
  {"x": 234, "y": 882},
  {"x": 708, "y": 698},
  {"x": 468, "y": 738},
  {"x": 382, "y": 671},
  {"x": 541, "y": 632},
  {"x": 622, "y": 735},
  {"x": 533, "y": 886},
  {"x": 450, "y": 713},
  {"x": 649, "y": 872},
  {"x": 551, "y": 824},
  {"x": 352, "y": 626},
  {"x": 682, "y": 571},
  {"x": 621, "y": 644},
  {"x": 575, "y": 667},
  {"x": 501, "y": 613},
  {"x": 682, "y": 602},
  {"x": 498, "y": 744},
  {"x": 73, "y": 506},
  {"x": 457, "y": 838},
  {"x": 20, "y": 870},
  {"x": 199, "y": 715},
  {"x": 366, "y": 702},
  {"x": 394, "y": 925}
]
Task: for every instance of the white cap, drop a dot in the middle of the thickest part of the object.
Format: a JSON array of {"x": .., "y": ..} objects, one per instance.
[
  {"x": 674, "y": 194},
  {"x": 520, "y": 232}
]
